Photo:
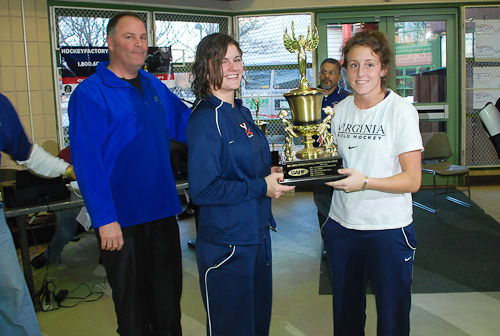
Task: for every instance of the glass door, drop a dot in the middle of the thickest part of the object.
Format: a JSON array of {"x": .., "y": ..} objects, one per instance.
[{"x": 426, "y": 74}]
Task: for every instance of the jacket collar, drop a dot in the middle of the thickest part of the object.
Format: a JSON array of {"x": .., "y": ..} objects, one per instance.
[
  {"x": 216, "y": 101},
  {"x": 337, "y": 89},
  {"x": 112, "y": 80}
]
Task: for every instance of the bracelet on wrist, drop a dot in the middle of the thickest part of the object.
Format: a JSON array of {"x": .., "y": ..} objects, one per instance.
[{"x": 365, "y": 184}]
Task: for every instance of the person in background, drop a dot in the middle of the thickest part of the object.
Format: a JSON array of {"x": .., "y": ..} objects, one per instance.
[
  {"x": 17, "y": 315},
  {"x": 65, "y": 230},
  {"x": 121, "y": 122},
  {"x": 231, "y": 180},
  {"x": 330, "y": 74},
  {"x": 369, "y": 235}
]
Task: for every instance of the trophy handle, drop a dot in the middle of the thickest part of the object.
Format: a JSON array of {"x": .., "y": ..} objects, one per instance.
[{"x": 325, "y": 134}]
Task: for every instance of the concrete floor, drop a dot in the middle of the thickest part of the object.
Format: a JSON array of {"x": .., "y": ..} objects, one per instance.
[{"x": 298, "y": 310}]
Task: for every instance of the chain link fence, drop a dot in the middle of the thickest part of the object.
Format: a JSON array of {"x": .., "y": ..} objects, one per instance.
[
  {"x": 270, "y": 70},
  {"x": 79, "y": 27},
  {"x": 183, "y": 33},
  {"x": 482, "y": 78}
]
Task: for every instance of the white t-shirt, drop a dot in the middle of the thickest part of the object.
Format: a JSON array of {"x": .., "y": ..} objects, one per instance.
[{"x": 370, "y": 141}]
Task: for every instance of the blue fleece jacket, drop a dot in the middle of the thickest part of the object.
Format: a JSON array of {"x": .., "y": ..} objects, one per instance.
[
  {"x": 222, "y": 175},
  {"x": 13, "y": 140},
  {"x": 120, "y": 147}
]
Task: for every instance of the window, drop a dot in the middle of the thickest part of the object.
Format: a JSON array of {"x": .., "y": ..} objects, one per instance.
[
  {"x": 81, "y": 27},
  {"x": 271, "y": 69},
  {"x": 183, "y": 33},
  {"x": 482, "y": 78},
  {"x": 77, "y": 27}
]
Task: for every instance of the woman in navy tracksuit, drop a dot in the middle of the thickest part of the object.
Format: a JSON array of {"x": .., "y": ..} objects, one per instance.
[{"x": 230, "y": 177}]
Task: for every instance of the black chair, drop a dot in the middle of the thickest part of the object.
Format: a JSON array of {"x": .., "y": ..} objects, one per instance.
[{"x": 434, "y": 161}]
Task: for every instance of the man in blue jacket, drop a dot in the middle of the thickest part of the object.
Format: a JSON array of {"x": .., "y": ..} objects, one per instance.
[{"x": 121, "y": 121}]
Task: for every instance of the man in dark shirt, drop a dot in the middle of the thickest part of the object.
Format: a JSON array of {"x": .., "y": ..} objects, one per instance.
[{"x": 330, "y": 75}]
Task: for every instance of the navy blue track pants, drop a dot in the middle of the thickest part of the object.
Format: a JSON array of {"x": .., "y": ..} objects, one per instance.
[
  {"x": 236, "y": 287},
  {"x": 383, "y": 257}
]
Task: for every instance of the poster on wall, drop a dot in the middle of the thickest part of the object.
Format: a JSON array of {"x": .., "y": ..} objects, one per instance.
[
  {"x": 486, "y": 85},
  {"x": 487, "y": 48},
  {"x": 77, "y": 63},
  {"x": 159, "y": 63}
]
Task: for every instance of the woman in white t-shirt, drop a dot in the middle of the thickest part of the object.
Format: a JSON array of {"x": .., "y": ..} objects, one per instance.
[{"x": 369, "y": 235}]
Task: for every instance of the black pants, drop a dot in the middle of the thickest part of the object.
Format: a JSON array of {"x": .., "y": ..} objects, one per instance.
[{"x": 146, "y": 279}]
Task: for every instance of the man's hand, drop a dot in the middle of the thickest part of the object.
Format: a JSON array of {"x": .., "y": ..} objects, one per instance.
[{"x": 111, "y": 237}]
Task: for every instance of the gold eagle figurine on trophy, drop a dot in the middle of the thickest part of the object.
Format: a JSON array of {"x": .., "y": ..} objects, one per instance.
[{"x": 302, "y": 45}]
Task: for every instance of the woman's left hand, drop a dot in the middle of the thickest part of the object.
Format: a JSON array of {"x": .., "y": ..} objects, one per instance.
[
  {"x": 354, "y": 182},
  {"x": 274, "y": 188}
]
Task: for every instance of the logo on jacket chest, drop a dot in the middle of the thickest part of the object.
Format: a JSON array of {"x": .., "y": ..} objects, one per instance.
[{"x": 247, "y": 130}]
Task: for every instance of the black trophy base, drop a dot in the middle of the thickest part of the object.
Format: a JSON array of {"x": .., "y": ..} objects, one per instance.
[{"x": 310, "y": 171}]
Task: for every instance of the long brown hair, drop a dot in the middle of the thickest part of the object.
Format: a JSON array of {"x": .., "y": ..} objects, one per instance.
[{"x": 207, "y": 67}]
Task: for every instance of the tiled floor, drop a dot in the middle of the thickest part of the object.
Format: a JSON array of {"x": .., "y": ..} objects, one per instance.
[{"x": 298, "y": 309}]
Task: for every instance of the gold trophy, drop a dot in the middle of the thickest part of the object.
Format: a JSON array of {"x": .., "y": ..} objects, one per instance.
[
  {"x": 260, "y": 124},
  {"x": 310, "y": 164}
]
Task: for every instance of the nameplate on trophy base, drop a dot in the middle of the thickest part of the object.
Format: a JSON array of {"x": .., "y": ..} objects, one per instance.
[{"x": 308, "y": 171}]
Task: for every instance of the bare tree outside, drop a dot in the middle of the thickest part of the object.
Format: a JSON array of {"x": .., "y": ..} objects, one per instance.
[
  {"x": 82, "y": 31},
  {"x": 183, "y": 37},
  {"x": 251, "y": 29},
  {"x": 261, "y": 38}
]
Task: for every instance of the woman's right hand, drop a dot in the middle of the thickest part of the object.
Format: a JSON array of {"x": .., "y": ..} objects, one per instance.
[{"x": 274, "y": 188}]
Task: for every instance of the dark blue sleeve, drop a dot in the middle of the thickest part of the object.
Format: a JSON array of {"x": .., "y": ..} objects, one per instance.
[{"x": 13, "y": 139}]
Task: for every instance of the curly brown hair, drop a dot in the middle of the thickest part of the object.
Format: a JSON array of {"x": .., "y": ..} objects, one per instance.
[
  {"x": 379, "y": 44},
  {"x": 207, "y": 67}
]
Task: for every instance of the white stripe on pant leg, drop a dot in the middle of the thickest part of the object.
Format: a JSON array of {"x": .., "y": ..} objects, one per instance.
[
  {"x": 408, "y": 243},
  {"x": 206, "y": 287}
]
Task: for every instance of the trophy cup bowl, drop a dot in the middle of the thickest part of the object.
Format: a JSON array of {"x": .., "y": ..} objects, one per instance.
[
  {"x": 306, "y": 114},
  {"x": 305, "y": 106}
]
